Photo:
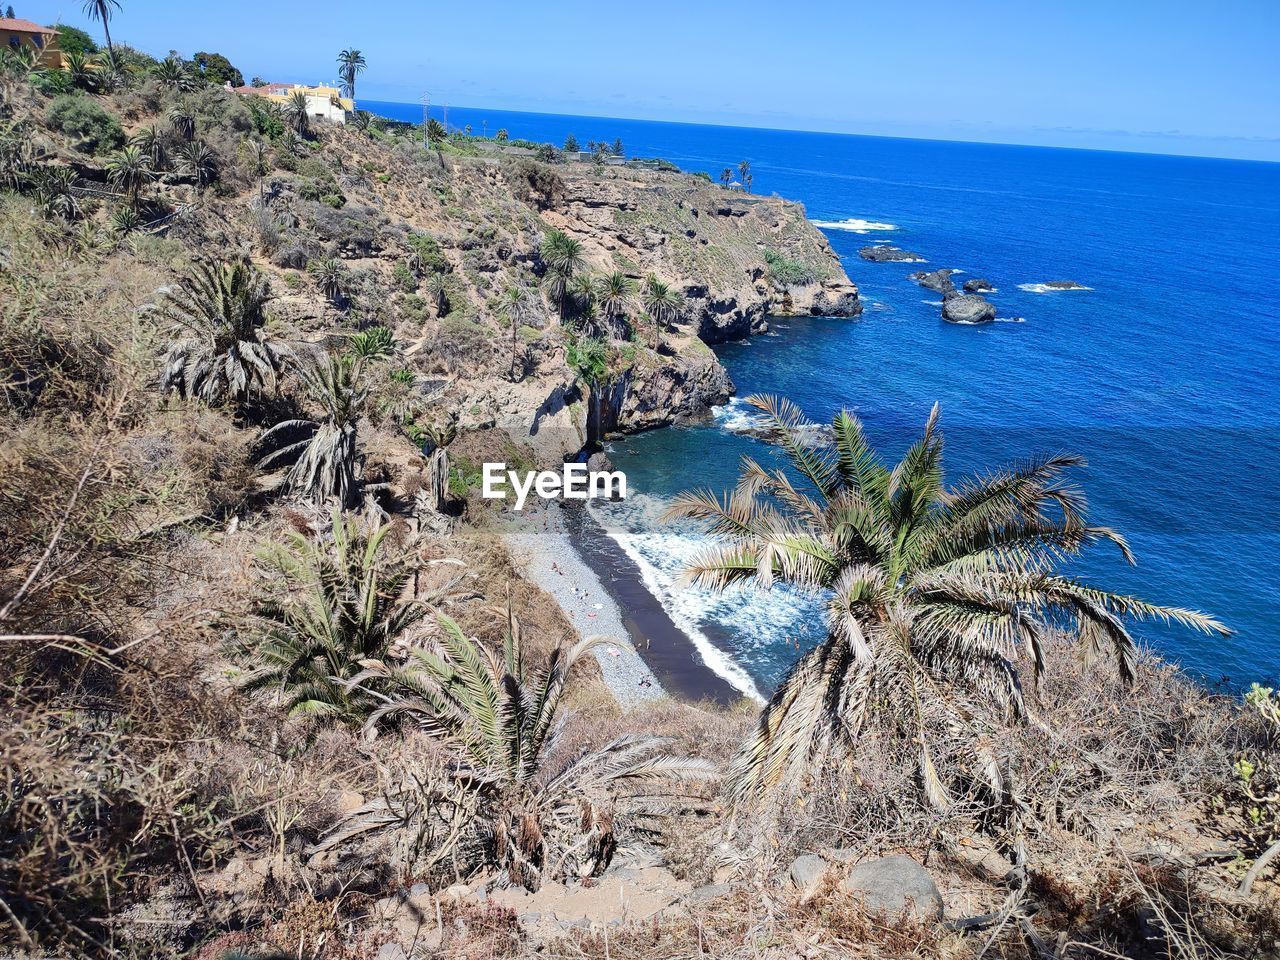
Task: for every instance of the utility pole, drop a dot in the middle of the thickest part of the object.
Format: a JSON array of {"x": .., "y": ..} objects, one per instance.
[
  {"x": 446, "y": 119},
  {"x": 426, "y": 117}
]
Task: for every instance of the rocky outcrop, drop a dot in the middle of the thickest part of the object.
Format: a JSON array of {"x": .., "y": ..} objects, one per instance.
[
  {"x": 978, "y": 285},
  {"x": 967, "y": 308},
  {"x": 939, "y": 281},
  {"x": 887, "y": 253},
  {"x": 1064, "y": 285},
  {"x": 657, "y": 394}
]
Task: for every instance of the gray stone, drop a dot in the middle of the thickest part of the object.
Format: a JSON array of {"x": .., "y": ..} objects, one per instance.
[
  {"x": 967, "y": 309},
  {"x": 391, "y": 951},
  {"x": 712, "y": 891},
  {"x": 895, "y": 886},
  {"x": 978, "y": 285},
  {"x": 807, "y": 872}
]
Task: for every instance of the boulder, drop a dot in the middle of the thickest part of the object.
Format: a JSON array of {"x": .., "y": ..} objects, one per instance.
[
  {"x": 807, "y": 872},
  {"x": 1065, "y": 285},
  {"x": 939, "y": 281},
  {"x": 895, "y": 886},
  {"x": 888, "y": 253},
  {"x": 967, "y": 309},
  {"x": 978, "y": 285}
]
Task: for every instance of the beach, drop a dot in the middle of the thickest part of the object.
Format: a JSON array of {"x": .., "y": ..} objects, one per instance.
[{"x": 648, "y": 657}]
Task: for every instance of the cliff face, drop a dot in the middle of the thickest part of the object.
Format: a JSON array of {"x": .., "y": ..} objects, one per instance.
[{"x": 432, "y": 244}]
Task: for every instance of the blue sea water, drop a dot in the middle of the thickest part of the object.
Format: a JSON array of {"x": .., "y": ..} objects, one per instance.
[{"x": 1163, "y": 373}]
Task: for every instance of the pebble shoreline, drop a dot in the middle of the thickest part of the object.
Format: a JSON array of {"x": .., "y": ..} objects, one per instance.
[{"x": 543, "y": 552}]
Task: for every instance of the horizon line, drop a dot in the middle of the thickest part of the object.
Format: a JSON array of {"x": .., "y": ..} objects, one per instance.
[{"x": 844, "y": 133}]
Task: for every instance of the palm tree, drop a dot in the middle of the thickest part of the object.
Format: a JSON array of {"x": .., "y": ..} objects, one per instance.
[
  {"x": 726, "y": 176},
  {"x": 498, "y": 715},
  {"x": 101, "y": 10},
  {"x": 256, "y": 151},
  {"x": 351, "y": 63},
  {"x": 322, "y": 451},
  {"x": 438, "y": 291},
  {"x": 129, "y": 169},
  {"x": 295, "y": 113},
  {"x": 931, "y": 590},
  {"x": 436, "y": 135},
  {"x": 329, "y": 604},
  {"x": 662, "y": 303},
  {"x": 151, "y": 142},
  {"x": 221, "y": 306},
  {"x": 199, "y": 163},
  {"x": 174, "y": 74},
  {"x": 562, "y": 257},
  {"x": 514, "y": 304},
  {"x": 362, "y": 121},
  {"x": 614, "y": 293},
  {"x": 744, "y": 171},
  {"x": 183, "y": 122}
]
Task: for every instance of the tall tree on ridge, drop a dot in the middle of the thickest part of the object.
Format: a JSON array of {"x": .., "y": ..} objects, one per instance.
[
  {"x": 726, "y": 176},
  {"x": 350, "y": 64},
  {"x": 101, "y": 10},
  {"x": 744, "y": 171}
]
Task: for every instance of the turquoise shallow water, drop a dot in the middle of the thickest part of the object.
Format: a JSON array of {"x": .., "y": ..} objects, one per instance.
[{"x": 1163, "y": 373}]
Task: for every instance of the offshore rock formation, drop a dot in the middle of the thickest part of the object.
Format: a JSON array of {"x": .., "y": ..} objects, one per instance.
[{"x": 887, "y": 253}]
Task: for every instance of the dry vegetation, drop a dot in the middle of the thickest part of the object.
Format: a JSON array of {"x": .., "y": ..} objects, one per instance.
[{"x": 149, "y": 807}]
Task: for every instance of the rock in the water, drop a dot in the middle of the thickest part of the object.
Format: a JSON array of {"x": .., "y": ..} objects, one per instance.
[
  {"x": 894, "y": 886},
  {"x": 978, "y": 285},
  {"x": 967, "y": 309},
  {"x": 1065, "y": 285},
  {"x": 939, "y": 281},
  {"x": 887, "y": 253},
  {"x": 807, "y": 872}
]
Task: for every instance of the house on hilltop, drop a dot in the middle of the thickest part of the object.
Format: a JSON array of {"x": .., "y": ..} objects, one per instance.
[
  {"x": 16, "y": 33},
  {"x": 323, "y": 102}
]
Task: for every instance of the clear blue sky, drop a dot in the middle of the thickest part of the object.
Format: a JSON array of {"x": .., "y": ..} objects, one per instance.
[{"x": 1166, "y": 77}]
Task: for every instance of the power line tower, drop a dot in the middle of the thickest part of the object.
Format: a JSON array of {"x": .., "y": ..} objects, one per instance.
[{"x": 426, "y": 115}]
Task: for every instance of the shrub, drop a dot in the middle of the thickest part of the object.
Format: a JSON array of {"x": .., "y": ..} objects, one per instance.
[
  {"x": 589, "y": 359},
  {"x": 404, "y": 278},
  {"x": 426, "y": 249},
  {"x": 788, "y": 272},
  {"x": 81, "y": 117},
  {"x": 536, "y": 183}
]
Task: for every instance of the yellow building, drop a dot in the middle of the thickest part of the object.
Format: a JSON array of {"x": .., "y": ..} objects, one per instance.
[
  {"x": 16, "y": 34},
  {"x": 323, "y": 102}
]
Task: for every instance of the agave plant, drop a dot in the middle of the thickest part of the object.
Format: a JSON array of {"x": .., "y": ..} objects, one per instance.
[
  {"x": 80, "y": 70},
  {"x": 498, "y": 716},
  {"x": 372, "y": 344},
  {"x": 17, "y": 154},
  {"x": 125, "y": 222},
  {"x": 328, "y": 605},
  {"x": 224, "y": 357},
  {"x": 932, "y": 591},
  {"x": 54, "y": 188},
  {"x": 295, "y": 113},
  {"x": 293, "y": 145},
  {"x": 332, "y": 278},
  {"x": 322, "y": 452}
]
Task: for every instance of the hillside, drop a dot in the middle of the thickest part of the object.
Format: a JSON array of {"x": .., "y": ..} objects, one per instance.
[{"x": 277, "y": 689}]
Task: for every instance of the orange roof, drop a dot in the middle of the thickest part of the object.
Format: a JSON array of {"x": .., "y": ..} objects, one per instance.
[{"x": 17, "y": 25}]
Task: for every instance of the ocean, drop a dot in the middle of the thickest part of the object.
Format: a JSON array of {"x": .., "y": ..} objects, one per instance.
[{"x": 1163, "y": 373}]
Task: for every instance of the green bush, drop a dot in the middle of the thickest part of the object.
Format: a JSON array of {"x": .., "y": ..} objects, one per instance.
[
  {"x": 427, "y": 249},
  {"x": 266, "y": 121},
  {"x": 788, "y": 272},
  {"x": 81, "y": 117},
  {"x": 75, "y": 40},
  {"x": 403, "y": 278},
  {"x": 589, "y": 359}
]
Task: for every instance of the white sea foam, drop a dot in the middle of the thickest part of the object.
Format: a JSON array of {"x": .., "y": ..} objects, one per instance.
[
  {"x": 1045, "y": 288},
  {"x": 932, "y": 303},
  {"x": 735, "y": 416},
  {"x": 761, "y": 620},
  {"x": 1009, "y": 320},
  {"x": 855, "y": 225}
]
